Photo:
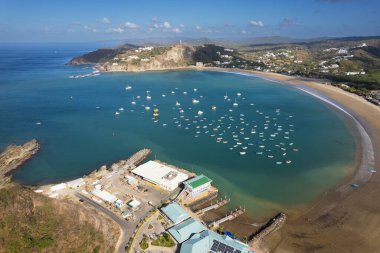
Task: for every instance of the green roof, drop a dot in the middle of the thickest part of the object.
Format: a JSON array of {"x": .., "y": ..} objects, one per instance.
[
  {"x": 197, "y": 181},
  {"x": 186, "y": 229}
]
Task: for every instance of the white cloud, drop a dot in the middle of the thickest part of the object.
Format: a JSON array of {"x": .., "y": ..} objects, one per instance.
[
  {"x": 256, "y": 23},
  {"x": 115, "y": 30},
  {"x": 131, "y": 25},
  {"x": 177, "y": 30},
  {"x": 243, "y": 31},
  {"x": 182, "y": 25},
  {"x": 105, "y": 20},
  {"x": 89, "y": 28},
  {"x": 167, "y": 25},
  {"x": 198, "y": 27}
]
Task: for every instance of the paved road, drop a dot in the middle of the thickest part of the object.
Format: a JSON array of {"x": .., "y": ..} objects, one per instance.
[{"x": 120, "y": 245}]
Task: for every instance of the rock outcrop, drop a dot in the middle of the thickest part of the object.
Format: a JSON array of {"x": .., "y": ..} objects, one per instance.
[
  {"x": 14, "y": 156},
  {"x": 177, "y": 56}
]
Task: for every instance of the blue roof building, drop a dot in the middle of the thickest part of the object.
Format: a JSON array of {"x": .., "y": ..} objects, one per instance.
[
  {"x": 186, "y": 229},
  {"x": 175, "y": 212},
  {"x": 209, "y": 241}
]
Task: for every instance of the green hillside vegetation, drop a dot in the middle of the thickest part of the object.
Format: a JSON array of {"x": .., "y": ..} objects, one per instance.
[{"x": 30, "y": 222}]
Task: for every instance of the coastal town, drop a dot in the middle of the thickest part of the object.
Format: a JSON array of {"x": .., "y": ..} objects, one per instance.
[{"x": 159, "y": 207}]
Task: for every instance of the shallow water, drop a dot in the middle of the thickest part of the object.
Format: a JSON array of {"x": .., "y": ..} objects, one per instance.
[{"x": 77, "y": 137}]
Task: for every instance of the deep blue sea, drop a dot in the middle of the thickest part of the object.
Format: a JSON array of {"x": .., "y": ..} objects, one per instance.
[{"x": 296, "y": 147}]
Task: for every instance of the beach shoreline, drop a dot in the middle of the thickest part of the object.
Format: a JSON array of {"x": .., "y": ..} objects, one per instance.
[
  {"x": 326, "y": 219},
  {"x": 345, "y": 197}
]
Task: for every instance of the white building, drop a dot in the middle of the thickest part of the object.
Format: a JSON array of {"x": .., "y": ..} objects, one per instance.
[
  {"x": 160, "y": 174},
  {"x": 134, "y": 203},
  {"x": 104, "y": 195},
  {"x": 197, "y": 185}
]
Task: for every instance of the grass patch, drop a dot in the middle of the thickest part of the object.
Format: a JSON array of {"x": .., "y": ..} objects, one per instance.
[
  {"x": 164, "y": 240},
  {"x": 144, "y": 244}
]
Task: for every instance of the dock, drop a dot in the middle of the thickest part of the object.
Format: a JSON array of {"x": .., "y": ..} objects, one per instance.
[
  {"x": 272, "y": 225},
  {"x": 137, "y": 158},
  {"x": 233, "y": 215},
  {"x": 218, "y": 204}
]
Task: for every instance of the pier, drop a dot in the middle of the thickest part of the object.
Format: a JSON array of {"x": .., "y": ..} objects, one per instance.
[
  {"x": 137, "y": 158},
  {"x": 217, "y": 205},
  {"x": 233, "y": 215},
  {"x": 272, "y": 225}
]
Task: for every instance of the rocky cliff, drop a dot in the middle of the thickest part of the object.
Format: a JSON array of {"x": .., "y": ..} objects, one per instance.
[
  {"x": 165, "y": 58},
  {"x": 13, "y": 156}
]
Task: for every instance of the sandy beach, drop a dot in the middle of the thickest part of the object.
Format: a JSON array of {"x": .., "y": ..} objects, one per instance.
[{"x": 344, "y": 219}]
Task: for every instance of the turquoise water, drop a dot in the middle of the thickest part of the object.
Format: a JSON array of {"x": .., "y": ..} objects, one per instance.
[{"x": 77, "y": 137}]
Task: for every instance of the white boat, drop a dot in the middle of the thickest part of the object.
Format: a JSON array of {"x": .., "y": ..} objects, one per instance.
[
  {"x": 278, "y": 163},
  {"x": 138, "y": 97},
  {"x": 147, "y": 108},
  {"x": 288, "y": 162},
  {"x": 181, "y": 111},
  {"x": 195, "y": 90},
  {"x": 173, "y": 92},
  {"x": 133, "y": 101},
  {"x": 195, "y": 101},
  {"x": 38, "y": 123},
  {"x": 148, "y": 97},
  {"x": 117, "y": 113},
  {"x": 226, "y": 96},
  {"x": 244, "y": 148},
  {"x": 213, "y": 108},
  {"x": 235, "y": 103},
  {"x": 200, "y": 112},
  {"x": 243, "y": 152},
  {"x": 238, "y": 94},
  {"x": 121, "y": 109},
  {"x": 177, "y": 103},
  {"x": 98, "y": 107},
  {"x": 128, "y": 87},
  {"x": 163, "y": 95}
]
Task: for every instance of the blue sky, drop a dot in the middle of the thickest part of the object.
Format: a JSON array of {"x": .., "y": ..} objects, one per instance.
[{"x": 82, "y": 20}]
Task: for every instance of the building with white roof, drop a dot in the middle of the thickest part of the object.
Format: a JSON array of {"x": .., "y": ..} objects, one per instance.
[
  {"x": 104, "y": 195},
  {"x": 134, "y": 203},
  {"x": 160, "y": 174}
]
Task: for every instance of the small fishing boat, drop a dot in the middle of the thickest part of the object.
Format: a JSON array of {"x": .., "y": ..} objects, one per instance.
[{"x": 128, "y": 87}]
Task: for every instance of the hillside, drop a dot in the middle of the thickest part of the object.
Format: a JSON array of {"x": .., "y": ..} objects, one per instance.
[
  {"x": 150, "y": 58},
  {"x": 355, "y": 61},
  {"x": 31, "y": 222}
]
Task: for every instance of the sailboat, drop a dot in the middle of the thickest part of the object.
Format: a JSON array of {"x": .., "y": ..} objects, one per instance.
[
  {"x": 133, "y": 101},
  {"x": 148, "y": 97},
  {"x": 195, "y": 101},
  {"x": 235, "y": 103}
]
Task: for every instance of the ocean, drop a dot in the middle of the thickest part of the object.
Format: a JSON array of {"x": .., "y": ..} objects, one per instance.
[{"x": 277, "y": 149}]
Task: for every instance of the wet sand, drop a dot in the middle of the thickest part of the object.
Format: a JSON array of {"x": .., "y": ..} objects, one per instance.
[{"x": 344, "y": 219}]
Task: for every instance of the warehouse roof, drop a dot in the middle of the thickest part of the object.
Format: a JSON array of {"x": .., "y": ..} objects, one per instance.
[
  {"x": 186, "y": 229},
  {"x": 175, "y": 212},
  {"x": 209, "y": 241},
  {"x": 167, "y": 177}
]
